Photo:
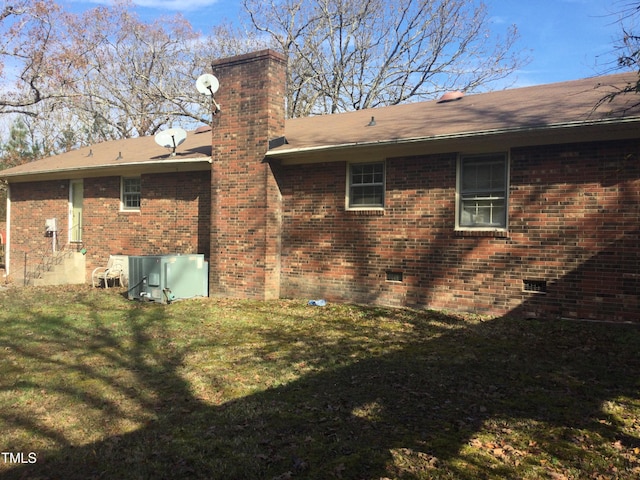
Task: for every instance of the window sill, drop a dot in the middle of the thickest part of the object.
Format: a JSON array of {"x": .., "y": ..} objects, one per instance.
[
  {"x": 365, "y": 212},
  {"x": 482, "y": 233}
]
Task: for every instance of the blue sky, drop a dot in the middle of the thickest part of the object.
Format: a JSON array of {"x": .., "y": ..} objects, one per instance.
[{"x": 566, "y": 39}]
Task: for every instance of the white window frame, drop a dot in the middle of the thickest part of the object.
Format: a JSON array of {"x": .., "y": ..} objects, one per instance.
[
  {"x": 382, "y": 184},
  {"x": 482, "y": 195},
  {"x": 123, "y": 194}
]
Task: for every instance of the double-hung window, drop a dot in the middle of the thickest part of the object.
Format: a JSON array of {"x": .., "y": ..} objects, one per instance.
[
  {"x": 366, "y": 185},
  {"x": 482, "y": 191},
  {"x": 130, "y": 192}
]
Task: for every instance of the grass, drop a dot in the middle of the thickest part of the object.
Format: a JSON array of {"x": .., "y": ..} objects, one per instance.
[{"x": 100, "y": 387}]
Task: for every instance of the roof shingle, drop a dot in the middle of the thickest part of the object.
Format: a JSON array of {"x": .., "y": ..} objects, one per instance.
[
  {"x": 537, "y": 107},
  {"x": 520, "y": 108},
  {"x": 118, "y": 153}
]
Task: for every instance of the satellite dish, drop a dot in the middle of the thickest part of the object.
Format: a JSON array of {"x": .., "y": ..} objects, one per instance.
[
  {"x": 171, "y": 138},
  {"x": 207, "y": 84}
]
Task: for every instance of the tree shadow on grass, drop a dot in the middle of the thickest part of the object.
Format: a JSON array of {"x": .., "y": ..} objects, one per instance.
[{"x": 407, "y": 412}]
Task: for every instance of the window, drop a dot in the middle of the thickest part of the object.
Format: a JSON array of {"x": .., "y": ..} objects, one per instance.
[
  {"x": 130, "y": 193},
  {"x": 482, "y": 191},
  {"x": 366, "y": 185}
]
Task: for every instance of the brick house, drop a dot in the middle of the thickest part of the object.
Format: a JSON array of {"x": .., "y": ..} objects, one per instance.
[{"x": 524, "y": 200}]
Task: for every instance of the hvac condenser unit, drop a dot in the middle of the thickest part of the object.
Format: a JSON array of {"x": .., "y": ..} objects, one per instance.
[{"x": 165, "y": 278}]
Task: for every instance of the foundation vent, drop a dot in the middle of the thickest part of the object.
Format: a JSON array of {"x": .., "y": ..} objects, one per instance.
[
  {"x": 535, "y": 286},
  {"x": 394, "y": 276}
]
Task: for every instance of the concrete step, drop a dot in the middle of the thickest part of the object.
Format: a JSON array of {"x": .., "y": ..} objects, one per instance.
[{"x": 71, "y": 270}]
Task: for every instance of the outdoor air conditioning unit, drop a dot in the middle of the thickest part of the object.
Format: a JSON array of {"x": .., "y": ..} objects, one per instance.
[{"x": 165, "y": 278}]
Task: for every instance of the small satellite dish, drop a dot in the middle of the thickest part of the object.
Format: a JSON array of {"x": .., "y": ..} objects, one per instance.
[
  {"x": 207, "y": 84},
  {"x": 171, "y": 138}
]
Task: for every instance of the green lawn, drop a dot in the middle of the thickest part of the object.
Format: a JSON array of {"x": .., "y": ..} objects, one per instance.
[{"x": 100, "y": 387}]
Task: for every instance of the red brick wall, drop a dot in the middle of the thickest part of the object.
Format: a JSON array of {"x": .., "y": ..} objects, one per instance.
[
  {"x": 245, "y": 228},
  {"x": 174, "y": 217},
  {"x": 574, "y": 216},
  {"x": 576, "y": 222},
  {"x": 31, "y": 204}
]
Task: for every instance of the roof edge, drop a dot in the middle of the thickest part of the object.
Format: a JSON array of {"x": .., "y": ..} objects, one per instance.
[
  {"x": 460, "y": 135},
  {"x": 107, "y": 166}
]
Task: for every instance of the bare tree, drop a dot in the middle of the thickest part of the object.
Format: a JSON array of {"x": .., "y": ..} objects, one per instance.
[
  {"x": 104, "y": 74},
  {"x": 355, "y": 54},
  {"x": 628, "y": 50},
  {"x": 227, "y": 39},
  {"x": 34, "y": 64},
  {"x": 104, "y": 71},
  {"x": 134, "y": 77}
]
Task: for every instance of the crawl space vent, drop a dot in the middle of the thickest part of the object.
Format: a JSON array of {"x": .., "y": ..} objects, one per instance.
[
  {"x": 394, "y": 276},
  {"x": 536, "y": 286}
]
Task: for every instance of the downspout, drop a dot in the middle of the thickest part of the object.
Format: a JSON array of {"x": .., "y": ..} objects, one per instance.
[{"x": 7, "y": 239}]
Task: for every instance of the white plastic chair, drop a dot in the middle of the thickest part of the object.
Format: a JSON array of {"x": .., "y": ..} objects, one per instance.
[{"x": 115, "y": 270}]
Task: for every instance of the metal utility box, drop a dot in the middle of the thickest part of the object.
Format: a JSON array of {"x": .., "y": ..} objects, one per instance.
[{"x": 165, "y": 278}]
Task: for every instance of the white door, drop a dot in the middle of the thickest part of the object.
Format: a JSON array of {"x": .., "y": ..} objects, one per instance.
[{"x": 75, "y": 210}]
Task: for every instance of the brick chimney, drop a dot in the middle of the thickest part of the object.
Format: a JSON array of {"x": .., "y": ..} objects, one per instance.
[{"x": 245, "y": 199}]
